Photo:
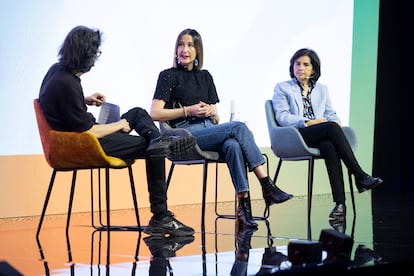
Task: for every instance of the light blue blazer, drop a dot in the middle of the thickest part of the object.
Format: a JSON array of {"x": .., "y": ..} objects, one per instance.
[{"x": 288, "y": 104}]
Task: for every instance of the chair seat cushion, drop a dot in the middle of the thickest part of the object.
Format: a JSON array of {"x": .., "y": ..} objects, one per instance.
[{"x": 73, "y": 150}]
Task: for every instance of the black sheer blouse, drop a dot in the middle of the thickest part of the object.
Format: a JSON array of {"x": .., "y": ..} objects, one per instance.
[{"x": 179, "y": 87}]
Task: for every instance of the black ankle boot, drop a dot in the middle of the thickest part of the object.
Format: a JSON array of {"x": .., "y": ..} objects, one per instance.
[
  {"x": 244, "y": 214},
  {"x": 271, "y": 193}
]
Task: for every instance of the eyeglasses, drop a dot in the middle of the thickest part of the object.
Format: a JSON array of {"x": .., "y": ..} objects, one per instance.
[{"x": 98, "y": 54}]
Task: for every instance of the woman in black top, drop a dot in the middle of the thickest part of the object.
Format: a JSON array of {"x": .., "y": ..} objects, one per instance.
[
  {"x": 65, "y": 107},
  {"x": 186, "y": 97}
]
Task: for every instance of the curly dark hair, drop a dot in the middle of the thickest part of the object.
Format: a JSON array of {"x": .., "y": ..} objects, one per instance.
[{"x": 80, "y": 49}]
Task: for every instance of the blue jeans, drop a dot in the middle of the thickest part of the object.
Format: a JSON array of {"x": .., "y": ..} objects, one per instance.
[{"x": 234, "y": 141}]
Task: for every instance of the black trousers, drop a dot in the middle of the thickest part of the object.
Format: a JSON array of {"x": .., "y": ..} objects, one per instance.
[
  {"x": 330, "y": 139},
  {"x": 129, "y": 147}
]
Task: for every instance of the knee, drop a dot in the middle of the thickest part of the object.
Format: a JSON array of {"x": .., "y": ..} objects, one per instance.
[
  {"x": 333, "y": 125},
  {"x": 135, "y": 114},
  {"x": 238, "y": 124},
  {"x": 230, "y": 147},
  {"x": 334, "y": 128},
  {"x": 240, "y": 127},
  {"x": 326, "y": 146},
  {"x": 139, "y": 111}
]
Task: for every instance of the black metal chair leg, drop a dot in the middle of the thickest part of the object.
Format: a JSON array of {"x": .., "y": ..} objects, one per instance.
[
  {"x": 310, "y": 189},
  {"x": 92, "y": 208},
  {"x": 49, "y": 191},
  {"x": 102, "y": 226},
  {"x": 351, "y": 189},
  {"x": 204, "y": 191},
  {"x": 219, "y": 215},
  {"x": 170, "y": 172},
  {"x": 72, "y": 192},
  {"x": 108, "y": 215}
]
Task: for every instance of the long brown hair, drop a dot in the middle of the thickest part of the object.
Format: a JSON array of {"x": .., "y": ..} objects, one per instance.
[{"x": 198, "y": 44}]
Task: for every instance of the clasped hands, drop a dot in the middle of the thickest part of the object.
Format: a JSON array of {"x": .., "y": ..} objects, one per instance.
[{"x": 202, "y": 110}]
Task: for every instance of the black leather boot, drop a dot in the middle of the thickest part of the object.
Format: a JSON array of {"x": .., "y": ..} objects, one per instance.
[
  {"x": 271, "y": 193},
  {"x": 244, "y": 214}
]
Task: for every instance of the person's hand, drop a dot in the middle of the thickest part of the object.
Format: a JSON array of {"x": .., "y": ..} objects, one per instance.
[
  {"x": 125, "y": 127},
  {"x": 96, "y": 99},
  {"x": 316, "y": 121},
  {"x": 202, "y": 110}
]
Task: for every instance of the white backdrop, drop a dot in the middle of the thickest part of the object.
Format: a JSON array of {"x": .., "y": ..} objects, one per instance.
[{"x": 247, "y": 47}]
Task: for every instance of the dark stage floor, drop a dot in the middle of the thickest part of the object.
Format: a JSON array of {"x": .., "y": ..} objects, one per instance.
[{"x": 379, "y": 237}]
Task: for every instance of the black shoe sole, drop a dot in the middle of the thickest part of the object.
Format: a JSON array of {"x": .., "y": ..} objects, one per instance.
[
  {"x": 363, "y": 189},
  {"x": 162, "y": 232},
  {"x": 166, "y": 246},
  {"x": 154, "y": 240},
  {"x": 182, "y": 145},
  {"x": 271, "y": 202},
  {"x": 177, "y": 146}
]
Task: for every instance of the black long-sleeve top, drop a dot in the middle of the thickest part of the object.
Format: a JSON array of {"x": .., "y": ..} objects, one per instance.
[{"x": 63, "y": 102}]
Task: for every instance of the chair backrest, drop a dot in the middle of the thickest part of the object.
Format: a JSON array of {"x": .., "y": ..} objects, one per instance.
[
  {"x": 286, "y": 142},
  {"x": 44, "y": 130},
  {"x": 351, "y": 136},
  {"x": 270, "y": 115},
  {"x": 65, "y": 150}
]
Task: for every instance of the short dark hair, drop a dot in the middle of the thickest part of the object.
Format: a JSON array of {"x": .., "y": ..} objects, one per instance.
[
  {"x": 315, "y": 61},
  {"x": 80, "y": 48},
  {"x": 198, "y": 44}
]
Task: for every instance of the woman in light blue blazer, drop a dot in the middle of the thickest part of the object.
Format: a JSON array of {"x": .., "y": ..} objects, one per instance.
[{"x": 304, "y": 103}]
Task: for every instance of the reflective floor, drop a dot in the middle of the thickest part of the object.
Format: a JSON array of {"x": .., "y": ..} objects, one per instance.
[{"x": 379, "y": 236}]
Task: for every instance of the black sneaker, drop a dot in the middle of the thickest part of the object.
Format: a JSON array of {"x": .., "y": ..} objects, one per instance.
[
  {"x": 168, "y": 226},
  {"x": 165, "y": 145},
  {"x": 166, "y": 247}
]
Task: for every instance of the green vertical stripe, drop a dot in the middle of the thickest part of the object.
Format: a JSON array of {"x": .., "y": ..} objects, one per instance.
[{"x": 363, "y": 77}]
